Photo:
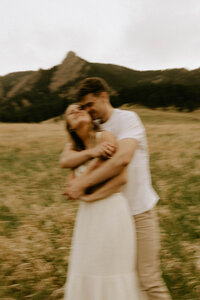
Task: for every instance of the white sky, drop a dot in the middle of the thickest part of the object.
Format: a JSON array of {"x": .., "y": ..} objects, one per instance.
[{"x": 139, "y": 34}]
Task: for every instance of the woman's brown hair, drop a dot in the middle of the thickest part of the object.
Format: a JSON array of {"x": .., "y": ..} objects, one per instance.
[{"x": 77, "y": 141}]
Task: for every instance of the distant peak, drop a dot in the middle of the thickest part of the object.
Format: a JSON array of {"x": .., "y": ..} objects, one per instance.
[
  {"x": 71, "y": 58},
  {"x": 70, "y": 69},
  {"x": 71, "y": 55}
]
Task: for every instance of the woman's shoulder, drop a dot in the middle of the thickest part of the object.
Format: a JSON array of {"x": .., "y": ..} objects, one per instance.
[
  {"x": 98, "y": 135},
  {"x": 106, "y": 136}
]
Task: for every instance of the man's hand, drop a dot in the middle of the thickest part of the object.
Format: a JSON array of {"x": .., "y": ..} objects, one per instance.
[
  {"x": 74, "y": 190},
  {"x": 104, "y": 149}
]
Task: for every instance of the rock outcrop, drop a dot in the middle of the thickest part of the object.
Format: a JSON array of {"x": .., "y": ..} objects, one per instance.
[
  {"x": 25, "y": 84},
  {"x": 70, "y": 69}
]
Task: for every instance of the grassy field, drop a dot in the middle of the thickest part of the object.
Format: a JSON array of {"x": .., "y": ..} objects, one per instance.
[{"x": 36, "y": 221}]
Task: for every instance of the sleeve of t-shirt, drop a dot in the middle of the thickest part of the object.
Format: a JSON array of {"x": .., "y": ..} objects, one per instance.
[{"x": 131, "y": 127}]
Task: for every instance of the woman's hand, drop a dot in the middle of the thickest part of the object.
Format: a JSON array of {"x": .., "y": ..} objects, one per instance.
[{"x": 104, "y": 149}]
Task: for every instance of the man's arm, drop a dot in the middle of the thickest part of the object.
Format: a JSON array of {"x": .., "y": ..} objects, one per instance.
[
  {"x": 111, "y": 168},
  {"x": 107, "y": 189},
  {"x": 70, "y": 158}
]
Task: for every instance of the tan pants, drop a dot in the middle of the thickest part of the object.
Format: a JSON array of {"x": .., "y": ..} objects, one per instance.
[{"x": 148, "y": 262}]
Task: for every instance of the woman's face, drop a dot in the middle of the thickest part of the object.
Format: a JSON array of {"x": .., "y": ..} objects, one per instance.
[{"x": 77, "y": 117}]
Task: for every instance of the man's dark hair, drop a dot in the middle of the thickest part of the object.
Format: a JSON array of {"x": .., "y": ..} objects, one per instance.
[{"x": 92, "y": 85}]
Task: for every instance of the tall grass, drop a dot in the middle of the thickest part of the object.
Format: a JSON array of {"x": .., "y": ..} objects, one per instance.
[{"x": 36, "y": 221}]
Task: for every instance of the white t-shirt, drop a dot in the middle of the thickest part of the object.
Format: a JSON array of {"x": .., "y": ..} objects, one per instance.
[{"x": 138, "y": 190}]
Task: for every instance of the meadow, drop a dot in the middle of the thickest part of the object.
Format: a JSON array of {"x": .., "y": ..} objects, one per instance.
[{"x": 36, "y": 220}]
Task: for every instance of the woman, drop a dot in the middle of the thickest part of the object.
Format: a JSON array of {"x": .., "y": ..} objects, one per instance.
[{"x": 102, "y": 258}]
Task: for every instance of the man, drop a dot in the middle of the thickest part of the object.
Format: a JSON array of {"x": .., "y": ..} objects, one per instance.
[{"x": 132, "y": 150}]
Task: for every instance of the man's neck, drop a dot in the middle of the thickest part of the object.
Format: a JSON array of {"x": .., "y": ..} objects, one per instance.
[{"x": 108, "y": 114}]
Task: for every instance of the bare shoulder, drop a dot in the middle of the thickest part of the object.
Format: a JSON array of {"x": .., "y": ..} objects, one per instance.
[{"x": 107, "y": 136}]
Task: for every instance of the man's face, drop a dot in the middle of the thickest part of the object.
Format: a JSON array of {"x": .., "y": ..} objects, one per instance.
[{"x": 94, "y": 105}]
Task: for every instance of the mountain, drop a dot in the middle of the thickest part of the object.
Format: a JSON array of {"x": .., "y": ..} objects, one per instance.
[{"x": 34, "y": 96}]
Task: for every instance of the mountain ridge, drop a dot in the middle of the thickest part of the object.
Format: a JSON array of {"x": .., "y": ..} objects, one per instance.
[{"x": 34, "y": 96}]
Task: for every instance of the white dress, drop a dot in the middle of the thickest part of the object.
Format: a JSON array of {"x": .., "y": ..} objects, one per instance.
[{"x": 102, "y": 258}]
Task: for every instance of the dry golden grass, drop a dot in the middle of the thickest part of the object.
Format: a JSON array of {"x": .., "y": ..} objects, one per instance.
[{"x": 36, "y": 221}]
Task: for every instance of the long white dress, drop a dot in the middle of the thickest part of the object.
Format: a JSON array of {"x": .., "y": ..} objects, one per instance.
[{"x": 102, "y": 258}]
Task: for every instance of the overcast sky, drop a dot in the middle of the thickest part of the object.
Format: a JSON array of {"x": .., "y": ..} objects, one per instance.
[{"x": 139, "y": 34}]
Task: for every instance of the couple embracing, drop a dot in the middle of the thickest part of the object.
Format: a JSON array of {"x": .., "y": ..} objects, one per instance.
[{"x": 115, "y": 244}]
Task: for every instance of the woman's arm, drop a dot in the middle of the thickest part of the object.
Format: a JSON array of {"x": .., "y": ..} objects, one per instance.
[
  {"x": 108, "y": 188},
  {"x": 70, "y": 158}
]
